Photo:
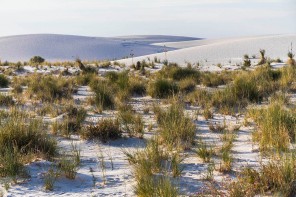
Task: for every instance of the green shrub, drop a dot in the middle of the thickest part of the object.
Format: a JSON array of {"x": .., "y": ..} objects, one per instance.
[
  {"x": 20, "y": 138},
  {"x": 37, "y": 60}
]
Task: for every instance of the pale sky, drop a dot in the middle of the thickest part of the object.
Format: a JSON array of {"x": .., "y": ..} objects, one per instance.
[{"x": 197, "y": 18}]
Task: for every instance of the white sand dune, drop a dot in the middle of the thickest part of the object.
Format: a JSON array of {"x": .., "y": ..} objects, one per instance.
[
  {"x": 67, "y": 47},
  {"x": 225, "y": 51}
]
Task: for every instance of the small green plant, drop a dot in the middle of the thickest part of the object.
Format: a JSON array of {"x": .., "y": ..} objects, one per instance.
[
  {"x": 69, "y": 166},
  {"x": 210, "y": 172},
  {"x": 131, "y": 123},
  {"x": 204, "y": 151},
  {"x": 207, "y": 113},
  {"x": 50, "y": 179},
  {"x": 101, "y": 159}
]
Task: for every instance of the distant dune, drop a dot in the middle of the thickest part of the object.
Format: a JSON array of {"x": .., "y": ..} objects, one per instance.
[
  {"x": 225, "y": 51},
  {"x": 67, "y": 47}
]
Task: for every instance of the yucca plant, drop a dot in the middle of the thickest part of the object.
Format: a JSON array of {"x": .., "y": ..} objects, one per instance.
[{"x": 262, "y": 58}]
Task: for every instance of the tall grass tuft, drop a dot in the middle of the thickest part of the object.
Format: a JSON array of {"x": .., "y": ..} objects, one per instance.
[
  {"x": 276, "y": 127},
  {"x": 162, "y": 88},
  {"x": 104, "y": 130},
  {"x": 175, "y": 128}
]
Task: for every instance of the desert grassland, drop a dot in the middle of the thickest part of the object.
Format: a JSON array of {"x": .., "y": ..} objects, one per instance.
[{"x": 150, "y": 129}]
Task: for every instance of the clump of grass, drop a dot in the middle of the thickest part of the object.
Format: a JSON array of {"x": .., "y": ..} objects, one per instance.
[
  {"x": 50, "y": 88},
  {"x": 50, "y": 179},
  {"x": 187, "y": 85},
  {"x": 26, "y": 134},
  {"x": 276, "y": 127},
  {"x": 137, "y": 87},
  {"x": 4, "y": 81},
  {"x": 207, "y": 113},
  {"x": 204, "y": 151},
  {"x": 162, "y": 88},
  {"x": 130, "y": 122},
  {"x": 177, "y": 73},
  {"x": 217, "y": 128},
  {"x": 210, "y": 79},
  {"x": 175, "y": 128},
  {"x": 277, "y": 177},
  {"x": 199, "y": 97},
  {"x": 85, "y": 79},
  {"x": 103, "y": 98},
  {"x": 73, "y": 120},
  {"x": 226, "y": 157},
  {"x": 6, "y": 100},
  {"x": 150, "y": 171},
  {"x": 69, "y": 167},
  {"x": 10, "y": 163},
  {"x": 105, "y": 129}
]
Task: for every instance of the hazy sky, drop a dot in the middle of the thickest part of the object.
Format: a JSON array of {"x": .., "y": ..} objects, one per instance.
[{"x": 198, "y": 18}]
